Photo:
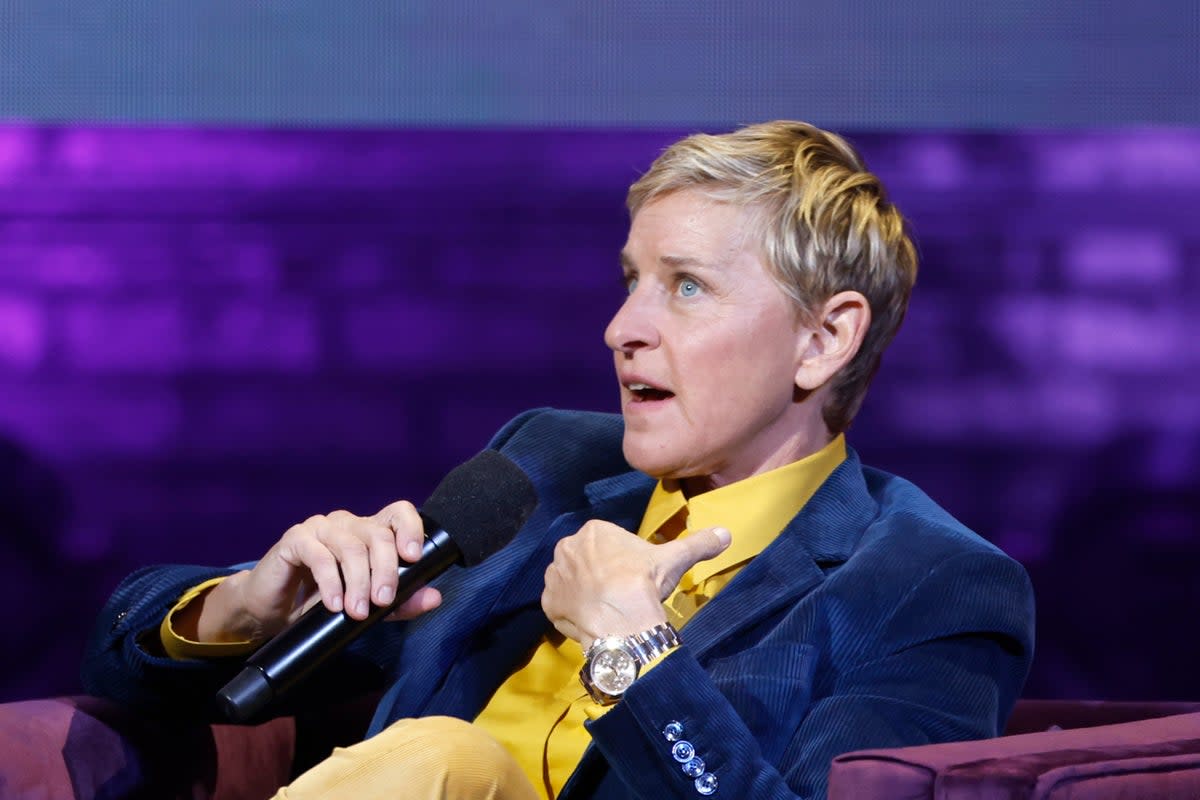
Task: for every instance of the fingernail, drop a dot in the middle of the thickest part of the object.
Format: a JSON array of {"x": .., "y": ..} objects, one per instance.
[
  {"x": 361, "y": 607},
  {"x": 384, "y": 594},
  {"x": 335, "y": 603},
  {"x": 412, "y": 550},
  {"x": 723, "y": 536}
]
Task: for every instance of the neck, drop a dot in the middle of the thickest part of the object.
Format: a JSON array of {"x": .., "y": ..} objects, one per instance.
[{"x": 796, "y": 448}]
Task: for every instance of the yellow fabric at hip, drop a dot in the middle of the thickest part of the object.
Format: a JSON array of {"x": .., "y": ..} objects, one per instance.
[{"x": 433, "y": 758}]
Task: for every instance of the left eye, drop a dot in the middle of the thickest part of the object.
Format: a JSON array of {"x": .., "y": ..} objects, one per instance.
[{"x": 689, "y": 288}]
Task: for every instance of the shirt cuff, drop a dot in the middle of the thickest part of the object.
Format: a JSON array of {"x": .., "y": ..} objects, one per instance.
[{"x": 179, "y": 648}]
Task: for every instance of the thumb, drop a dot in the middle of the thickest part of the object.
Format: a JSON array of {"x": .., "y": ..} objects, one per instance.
[{"x": 678, "y": 556}]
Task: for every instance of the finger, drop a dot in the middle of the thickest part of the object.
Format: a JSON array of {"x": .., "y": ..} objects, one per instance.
[
  {"x": 310, "y": 553},
  {"x": 678, "y": 556},
  {"x": 354, "y": 562},
  {"x": 424, "y": 599},
  {"x": 381, "y": 555},
  {"x": 405, "y": 523}
]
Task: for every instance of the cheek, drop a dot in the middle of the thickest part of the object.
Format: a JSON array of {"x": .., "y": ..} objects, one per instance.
[
  {"x": 756, "y": 369},
  {"x": 742, "y": 362},
  {"x": 722, "y": 382}
]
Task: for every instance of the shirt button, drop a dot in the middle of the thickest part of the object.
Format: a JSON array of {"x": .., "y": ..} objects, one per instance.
[
  {"x": 694, "y": 768},
  {"x": 673, "y": 731},
  {"x": 706, "y": 784},
  {"x": 683, "y": 751}
]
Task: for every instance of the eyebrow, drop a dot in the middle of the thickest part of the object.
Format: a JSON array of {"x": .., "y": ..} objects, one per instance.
[
  {"x": 684, "y": 261},
  {"x": 670, "y": 261}
]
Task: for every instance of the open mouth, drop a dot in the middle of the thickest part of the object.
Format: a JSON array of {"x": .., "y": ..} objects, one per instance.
[{"x": 645, "y": 393}]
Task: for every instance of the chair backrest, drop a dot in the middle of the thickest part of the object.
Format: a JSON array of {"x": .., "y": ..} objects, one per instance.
[{"x": 1031, "y": 716}]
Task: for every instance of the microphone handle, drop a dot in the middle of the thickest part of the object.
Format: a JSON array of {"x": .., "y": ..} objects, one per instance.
[{"x": 319, "y": 634}]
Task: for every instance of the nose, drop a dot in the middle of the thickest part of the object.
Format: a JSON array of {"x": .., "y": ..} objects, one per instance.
[{"x": 633, "y": 327}]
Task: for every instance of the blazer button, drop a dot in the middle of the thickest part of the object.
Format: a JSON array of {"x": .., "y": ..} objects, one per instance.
[{"x": 706, "y": 784}]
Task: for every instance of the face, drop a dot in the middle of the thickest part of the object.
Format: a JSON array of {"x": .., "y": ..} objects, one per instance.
[{"x": 707, "y": 347}]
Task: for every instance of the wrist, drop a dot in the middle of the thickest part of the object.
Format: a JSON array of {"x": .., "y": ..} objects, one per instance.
[
  {"x": 221, "y": 615},
  {"x": 609, "y": 621}
]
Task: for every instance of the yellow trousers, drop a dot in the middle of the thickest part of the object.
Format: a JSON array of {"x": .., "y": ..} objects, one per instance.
[{"x": 439, "y": 758}]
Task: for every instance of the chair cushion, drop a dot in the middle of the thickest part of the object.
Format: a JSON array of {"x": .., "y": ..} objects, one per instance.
[{"x": 1133, "y": 759}]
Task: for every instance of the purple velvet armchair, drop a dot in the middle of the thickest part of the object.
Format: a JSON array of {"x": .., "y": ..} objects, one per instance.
[
  {"x": 82, "y": 747},
  {"x": 1052, "y": 749}
]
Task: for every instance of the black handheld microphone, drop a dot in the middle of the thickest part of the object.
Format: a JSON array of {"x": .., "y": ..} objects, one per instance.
[{"x": 476, "y": 509}]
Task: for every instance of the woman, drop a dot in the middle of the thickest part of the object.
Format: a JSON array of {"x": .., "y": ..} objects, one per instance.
[{"x": 714, "y": 594}]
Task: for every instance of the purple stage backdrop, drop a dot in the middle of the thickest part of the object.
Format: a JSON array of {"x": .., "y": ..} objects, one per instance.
[{"x": 206, "y": 336}]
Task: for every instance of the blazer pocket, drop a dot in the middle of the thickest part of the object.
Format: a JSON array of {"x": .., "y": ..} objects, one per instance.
[{"x": 771, "y": 688}]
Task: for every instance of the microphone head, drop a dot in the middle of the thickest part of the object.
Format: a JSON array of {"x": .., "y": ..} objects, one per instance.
[{"x": 482, "y": 503}]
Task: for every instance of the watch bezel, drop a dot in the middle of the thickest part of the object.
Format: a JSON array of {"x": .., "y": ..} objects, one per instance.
[
  {"x": 610, "y": 680},
  {"x": 639, "y": 649}
]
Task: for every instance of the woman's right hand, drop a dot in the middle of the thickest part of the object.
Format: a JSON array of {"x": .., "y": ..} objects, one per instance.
[{"x": 347, "y": 561}]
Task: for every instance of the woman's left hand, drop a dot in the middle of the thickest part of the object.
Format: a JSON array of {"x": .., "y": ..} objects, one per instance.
[{"x": 606, "y": 581}]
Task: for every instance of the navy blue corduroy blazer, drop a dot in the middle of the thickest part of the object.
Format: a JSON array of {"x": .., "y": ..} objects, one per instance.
[{"x": 874, "y": 619}]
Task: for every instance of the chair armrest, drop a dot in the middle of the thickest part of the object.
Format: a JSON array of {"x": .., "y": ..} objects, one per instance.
[
  {"x": 84, "y": 747},
  {"x": 1154, "y": 758}
]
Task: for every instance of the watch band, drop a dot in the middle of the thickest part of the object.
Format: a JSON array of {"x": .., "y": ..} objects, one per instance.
[{"x": 650, "y": 644}]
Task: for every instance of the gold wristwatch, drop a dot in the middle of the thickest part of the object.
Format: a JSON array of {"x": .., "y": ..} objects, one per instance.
[{"x": 612, "y": 663}]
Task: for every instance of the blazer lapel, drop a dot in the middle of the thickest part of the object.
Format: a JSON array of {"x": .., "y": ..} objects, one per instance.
[
  {"x": 620, "y": 499},
  {"x": 824, "y": 533}
]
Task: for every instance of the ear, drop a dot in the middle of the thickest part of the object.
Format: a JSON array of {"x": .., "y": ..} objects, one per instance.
[{"x": 837, "y": 331}]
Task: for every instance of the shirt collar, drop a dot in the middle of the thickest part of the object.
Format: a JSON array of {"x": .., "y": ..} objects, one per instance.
[{"x": 755, "y": 510}]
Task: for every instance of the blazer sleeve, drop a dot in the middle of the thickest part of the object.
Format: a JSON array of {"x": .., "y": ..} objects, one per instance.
[
  {"x": 124, "y": 660},
  {"x": 945, "y": 663}
]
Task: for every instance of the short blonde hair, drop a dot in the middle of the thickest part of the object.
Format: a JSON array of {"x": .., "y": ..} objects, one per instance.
[{"x": 826, "y": 226}]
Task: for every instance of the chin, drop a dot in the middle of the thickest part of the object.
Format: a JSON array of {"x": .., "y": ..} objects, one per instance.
[
  {"x": 657, "y": 464},
  {"x": 654, "y": 464}
]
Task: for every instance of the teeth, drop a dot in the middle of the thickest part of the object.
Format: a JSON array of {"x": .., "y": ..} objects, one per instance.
[{"x": 638, "y": 387}]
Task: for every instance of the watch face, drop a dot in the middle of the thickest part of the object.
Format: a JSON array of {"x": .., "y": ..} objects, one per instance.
[{"x": 613, "y": 670}]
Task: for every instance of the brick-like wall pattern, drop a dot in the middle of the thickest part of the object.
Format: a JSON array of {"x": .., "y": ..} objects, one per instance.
[{"x": 207, "y": 335}]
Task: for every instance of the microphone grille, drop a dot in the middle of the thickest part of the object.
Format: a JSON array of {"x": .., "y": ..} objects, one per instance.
[{"x": 482, "y": 503}]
